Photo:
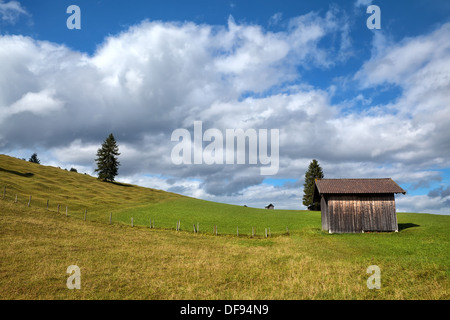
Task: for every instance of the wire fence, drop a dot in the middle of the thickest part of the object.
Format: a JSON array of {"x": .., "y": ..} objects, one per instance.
[{"x": 80, "y": 211}]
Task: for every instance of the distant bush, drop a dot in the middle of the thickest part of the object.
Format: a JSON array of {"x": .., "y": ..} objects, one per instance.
[
  {"x": 34, "y": 159},
  {"x": 73, "y": 170}
]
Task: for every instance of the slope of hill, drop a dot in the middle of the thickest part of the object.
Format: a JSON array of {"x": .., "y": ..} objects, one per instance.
[
  {"x": 75, "y": 190},
  {"x": 80, "y": 193},
  {"x": 122, "y": 262}
]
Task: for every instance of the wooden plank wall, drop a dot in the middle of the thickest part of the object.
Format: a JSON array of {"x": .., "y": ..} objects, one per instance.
[
  {"x": 357, "y": 213},
  {"x": 324, "y": 213}
]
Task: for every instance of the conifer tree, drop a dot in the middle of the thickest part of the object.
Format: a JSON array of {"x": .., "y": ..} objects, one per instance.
[
  {"x": 314, "y": 172},
  {"x": 107, "y": 159},
  {"x": 34, "y": 159}
]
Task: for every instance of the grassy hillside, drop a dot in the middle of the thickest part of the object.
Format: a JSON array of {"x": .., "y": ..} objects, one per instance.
[
  {"x": 121, "y": 262},
  {"x": 81, "y": 192},
  {"x": 75, "y": 190}
]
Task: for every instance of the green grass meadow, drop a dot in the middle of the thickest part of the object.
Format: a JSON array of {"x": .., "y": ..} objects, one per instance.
[{"x": 118, "y": 261}]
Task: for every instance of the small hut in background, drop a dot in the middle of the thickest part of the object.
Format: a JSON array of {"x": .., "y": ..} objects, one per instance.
[
  {"x": 357, "y": 205},
  {"x": 270, "y": 206}
]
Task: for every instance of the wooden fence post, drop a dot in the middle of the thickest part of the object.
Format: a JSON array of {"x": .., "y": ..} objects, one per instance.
[
  {"x": 29, "y": 201},
  {"x": 15, "y": 201},
  {"x": 265, "y": 232},
  {"x": 110, "y": 218},
  {"x": 132, "y": 223},
  {"x": 237, "y": 231},
  {"x": 85, "y": 213},
  {"x": 47, "y": 205},
  {"x": 66, "y": 211},
  {"x": 58, "y": 209},
  {"x": 253, "y": 231}
]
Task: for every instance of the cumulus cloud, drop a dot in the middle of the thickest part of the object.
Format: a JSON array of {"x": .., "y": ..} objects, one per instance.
[
  {"x": 156, "y": 77},
  {"x": 420, "y": 67},
  {"x": 423, "y": 204},
  {"x": 163, "y": 72},
  {"x": 399, "y": 63}
]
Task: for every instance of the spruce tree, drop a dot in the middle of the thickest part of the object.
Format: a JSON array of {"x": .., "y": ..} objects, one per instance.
[
  {"x": 34, "y": 159},
  {"x": 314, "y": 172},
  {"x": 107, "y": 159}
]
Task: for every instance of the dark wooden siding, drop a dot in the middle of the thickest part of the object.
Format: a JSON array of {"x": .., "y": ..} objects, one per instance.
[{"x": 357, "y": 213}]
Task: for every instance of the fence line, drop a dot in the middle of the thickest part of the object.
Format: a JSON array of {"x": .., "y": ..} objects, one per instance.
[{"x": 196, "y": 227}]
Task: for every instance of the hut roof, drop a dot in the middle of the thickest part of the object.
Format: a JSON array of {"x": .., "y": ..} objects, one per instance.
[{"x": 356, "y": 186}]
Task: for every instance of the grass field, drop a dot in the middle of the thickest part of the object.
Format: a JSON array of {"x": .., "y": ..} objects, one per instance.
[{"x": 118, "y": 261}]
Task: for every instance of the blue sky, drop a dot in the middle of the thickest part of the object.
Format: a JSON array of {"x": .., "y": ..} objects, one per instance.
[{"x": 365, "y": 103}]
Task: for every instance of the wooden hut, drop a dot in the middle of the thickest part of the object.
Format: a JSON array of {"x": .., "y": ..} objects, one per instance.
[
  {"x": 270, "y": 206},
  {"x": 357, "y": 205}
]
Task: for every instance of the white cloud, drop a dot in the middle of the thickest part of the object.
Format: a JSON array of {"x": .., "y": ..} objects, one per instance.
[
  {"x": 156, "y": 77},
  {"x": 40, "y": 103},
  {"x": 420, "y": 66},
  {"x": 399, "y": 63},
  {"x": 171, "y": 70},
  {"x": 423, "y": 204},
  {"x": 76, "y": 152},
  {"x": 275, "y": 19},
  {"x": 363, "y": 3},
  {"x": 11, "y": 10}
]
